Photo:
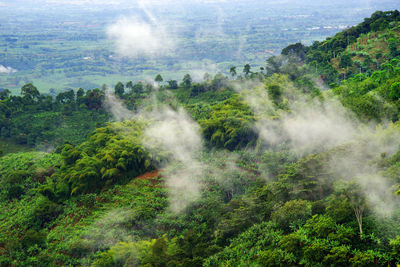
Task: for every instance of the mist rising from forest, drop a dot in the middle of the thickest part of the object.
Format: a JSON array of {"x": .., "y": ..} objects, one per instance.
[
  {"x": 114, "y": 106},
  {"x": 179, "y": 135},
  {"x": 323, "y": 125},
  {"x": 171, "y": 134},
  {"x": 312, "y": 126}
]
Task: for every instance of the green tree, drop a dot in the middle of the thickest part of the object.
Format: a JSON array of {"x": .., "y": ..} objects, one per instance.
[
  {"x": 274, "y": 65},
  {"x": 187, "y": 81},
  {"x": 219, "y": 81},
  {"x": 129, "y": 85},
  {"x": 80, "y": 93},
  {"x": 297, "y": 50},
  {"x": 393, "y": 43},
  {"x": 138, "y": 88},
  {"x": 395, "y": 91},
  {"x": 292, "y": 213},
  {"x": 158, "y": 78},
  {"x": 232, "y": 71},
  {"x": 354, "y": 194},
  {"x": 246, "y": 70},
  {"x": 30, "y": 91},
  {"x": 159, "y": 255},
  {"x": 229, "y": 125},
  {"x": 4, "y": 94},
  {"x": 119, "y": 89},
  {"x": 173, "y": 84},
  {"x": 274, "y": 92},
  {"x": 345, "y": 61}
]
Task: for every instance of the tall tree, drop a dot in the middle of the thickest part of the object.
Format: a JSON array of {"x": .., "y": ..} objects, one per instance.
[
  {"x": 187, "y": 81},
  {"x": 232, "y": 71},
  {"x": 159, "y": 78},
  {"x": 80, "y": 93},
  {"x": 30, "y": 91},
  {"x": 356, "y": 198},
  {"x": 129, "y": 85},
  {"x": 119, "y": 89},
  {"x": 246, "y": 70}
]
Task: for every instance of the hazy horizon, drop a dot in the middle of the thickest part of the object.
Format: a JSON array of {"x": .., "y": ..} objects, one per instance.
[{"x": 135, "y": 40}]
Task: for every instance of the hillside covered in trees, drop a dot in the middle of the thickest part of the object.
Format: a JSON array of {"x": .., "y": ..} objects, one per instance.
[{"x": 293, "y": 164}]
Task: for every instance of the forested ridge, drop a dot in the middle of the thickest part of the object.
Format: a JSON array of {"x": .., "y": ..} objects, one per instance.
[{"x": 293, "y": 164}]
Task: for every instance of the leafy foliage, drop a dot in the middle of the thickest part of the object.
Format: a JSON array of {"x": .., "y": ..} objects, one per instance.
[
  {"x": 104, "y": 201},
  {"x": 112, "y": 154},
  {"x": 229, "y": 125}
]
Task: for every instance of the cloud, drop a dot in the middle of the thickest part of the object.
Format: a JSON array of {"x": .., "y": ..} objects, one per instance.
[
  {"x": 116, "y": 108},
  {"x": 357, "y": 161},
  {"x": 317, "y": 126},
  {"x": 188, "y": 167},
  {"x": 8, "y": 70},
  {"x": 175, "y": 132},
  {"x": 306, "y": 125},
  {"x": 136, "y": 38},
  {"x": 323, "y": 124},
  {"x": 173, "y": 136}
]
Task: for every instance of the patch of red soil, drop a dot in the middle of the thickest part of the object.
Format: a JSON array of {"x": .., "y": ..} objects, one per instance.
[{"x": 149, "y": 175}]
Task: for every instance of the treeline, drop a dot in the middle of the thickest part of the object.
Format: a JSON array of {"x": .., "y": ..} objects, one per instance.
[
  {"x": 36, "y": 119},
  {"x": 322, "y": 56},
  {"x": 40, "y": 120}
]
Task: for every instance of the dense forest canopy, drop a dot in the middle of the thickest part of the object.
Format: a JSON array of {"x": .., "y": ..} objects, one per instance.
[{"x": 296, "y": 163}]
